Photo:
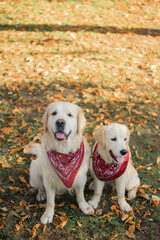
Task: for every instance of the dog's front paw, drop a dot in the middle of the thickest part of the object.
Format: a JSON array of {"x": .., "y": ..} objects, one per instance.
[
  {"x": 46, "y": 218},
  {"x": 41, "y": 196},
  {"x": 86, "y": 209},
  {"x": 93, "y": 202},
  {"x": 132, "y": 193},
  {"x": 125, "y": 207}
]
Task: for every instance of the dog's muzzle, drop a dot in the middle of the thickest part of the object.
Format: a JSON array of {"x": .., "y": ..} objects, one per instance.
[
  {"x": 60, "y": 136},
  {"x": 60, "y": 125},
  {"x": 118, "y": 160}
]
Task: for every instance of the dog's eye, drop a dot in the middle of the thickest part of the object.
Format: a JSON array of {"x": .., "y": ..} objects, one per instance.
[
  {"x": 113, "y": 139},
  {"x": 70, "y": 115},
  {"x": 125, "y": 139},
  {"x": 54, "y": 113}
]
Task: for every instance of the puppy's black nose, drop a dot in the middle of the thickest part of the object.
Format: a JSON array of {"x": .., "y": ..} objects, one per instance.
[
  {"x": 123, "y": 152},
  {"x": 60, "y": 123}
]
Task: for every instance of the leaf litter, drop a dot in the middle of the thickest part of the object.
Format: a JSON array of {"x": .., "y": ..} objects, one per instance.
[{"x": 112, "y": 72}]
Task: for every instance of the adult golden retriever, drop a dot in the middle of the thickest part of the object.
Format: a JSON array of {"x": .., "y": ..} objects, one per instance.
[
  {"x": 112, "y": 161},
  {"x": 62, "y": 158}
]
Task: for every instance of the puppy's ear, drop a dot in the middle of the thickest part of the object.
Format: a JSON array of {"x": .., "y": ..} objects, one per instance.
[
  {"x": 99, "y": 136},
  {"x": 45, "y": 119},
  {"x": 128, "y": 135},
  {"x": 81, "y": 121}
]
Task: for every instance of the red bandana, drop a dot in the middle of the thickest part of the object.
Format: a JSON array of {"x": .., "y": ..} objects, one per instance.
[
  {"x": 66, "y": 165},
  {"x": 105, "y": 171}
]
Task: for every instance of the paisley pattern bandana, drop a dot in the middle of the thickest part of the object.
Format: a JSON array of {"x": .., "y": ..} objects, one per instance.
[
  {"x": 108, "y": 171},
  {"x": 66, "y": 165}
]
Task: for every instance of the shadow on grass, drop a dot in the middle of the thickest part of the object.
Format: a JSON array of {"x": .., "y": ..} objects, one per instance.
[{"x": 85, "y": 28}]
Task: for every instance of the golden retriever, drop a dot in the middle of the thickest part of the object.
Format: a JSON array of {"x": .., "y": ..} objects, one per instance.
[
  {"x": 112, "y": 161},
  {"x": 62, "y": 157}
]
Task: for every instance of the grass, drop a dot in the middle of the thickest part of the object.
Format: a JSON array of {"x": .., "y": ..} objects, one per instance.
[{"x": 103, "y": 56}]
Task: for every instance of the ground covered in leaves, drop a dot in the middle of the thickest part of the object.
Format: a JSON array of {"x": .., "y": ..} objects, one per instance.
[{"x": 103, "y": 56}]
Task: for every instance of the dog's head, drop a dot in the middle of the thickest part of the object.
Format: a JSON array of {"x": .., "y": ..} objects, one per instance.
[
  {"x": 114, "y": 140},
  {"x": 63, "y": 120}
]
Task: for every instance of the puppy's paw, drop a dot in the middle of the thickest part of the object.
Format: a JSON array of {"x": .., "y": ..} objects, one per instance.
[
  {"x": 91, "y": 186},
  {"x": 132, "y": 193},
  {"x": 125, "y": 207},
  {"x": 86, "y": 209},
  {"x": 41, "y": 196},
  {"x": 46, "y": 218},
  {"x": 93, "y": 202}
]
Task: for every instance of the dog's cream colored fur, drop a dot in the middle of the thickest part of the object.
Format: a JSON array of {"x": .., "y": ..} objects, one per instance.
[
  {"x": 129, "y": 181},
  {"x": 43, "y": 177}
]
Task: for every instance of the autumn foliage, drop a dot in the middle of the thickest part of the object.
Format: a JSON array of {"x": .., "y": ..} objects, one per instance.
[{"x": 103, "y": 56}]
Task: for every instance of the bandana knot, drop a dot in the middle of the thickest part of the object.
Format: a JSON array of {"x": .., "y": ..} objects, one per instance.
[
  {"x": 107, "y": 171},
  {"x": 66, "y": 165}
]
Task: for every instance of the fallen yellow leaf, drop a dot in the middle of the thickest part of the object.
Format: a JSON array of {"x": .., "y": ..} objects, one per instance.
[
  {"x": 79, "y": 224},
  {"x": 7, "y": 130},
  {"x": 130, "y": 234}
]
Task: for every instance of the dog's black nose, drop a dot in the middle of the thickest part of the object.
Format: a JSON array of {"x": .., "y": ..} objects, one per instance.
[
  {"x": 60, "y": 123},
  {"x": 123, "y": 152}
]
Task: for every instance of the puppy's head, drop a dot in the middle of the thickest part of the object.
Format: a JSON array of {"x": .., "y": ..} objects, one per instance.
[
  {"x": 114, "y": 140},
  {"x": 63, "y": 120}
]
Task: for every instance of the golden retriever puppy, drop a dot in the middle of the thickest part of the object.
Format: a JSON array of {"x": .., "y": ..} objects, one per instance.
[
  {"x": 62, "y": 158},
  {"x": 112, "y": 161}
]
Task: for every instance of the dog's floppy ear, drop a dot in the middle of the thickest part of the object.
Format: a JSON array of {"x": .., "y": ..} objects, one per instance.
[
  {"x": 45, "y": 119},
  {"x": 128, "y": 135},
  {"x": 81, "y": 121},
  {"x": 99, "y": 136}
]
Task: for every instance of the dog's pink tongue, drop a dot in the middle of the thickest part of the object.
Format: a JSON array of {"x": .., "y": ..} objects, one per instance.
[
  {"x": 60, "y": 135},
  {"x": 120, "y": 159}
]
